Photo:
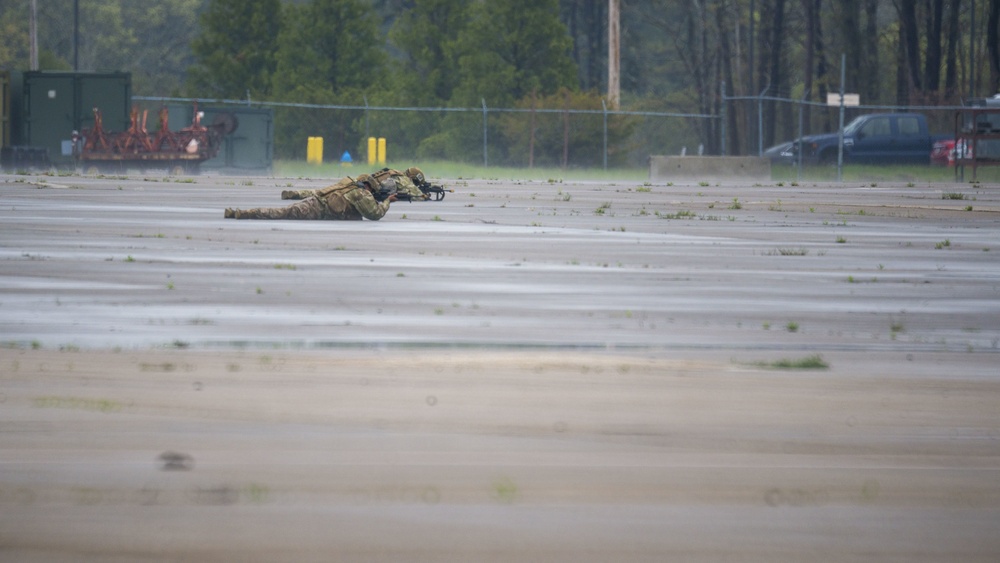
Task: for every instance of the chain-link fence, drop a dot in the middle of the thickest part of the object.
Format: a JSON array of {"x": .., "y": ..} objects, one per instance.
[
  {"x": 755, "y": 123},
  {"x": 517, "y": 137},
  {"x": 559, "y": 137}
]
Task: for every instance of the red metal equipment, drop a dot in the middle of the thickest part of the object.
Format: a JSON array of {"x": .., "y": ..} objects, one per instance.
[{"x": 178, "y": 151}]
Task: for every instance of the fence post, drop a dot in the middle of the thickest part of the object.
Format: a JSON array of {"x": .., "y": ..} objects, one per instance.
[
  {"x": 840, "y": 134},
  {"x": 604, "y": 106},
  {"x": 486, "y": 160},
  {"x": 366, "y": 117},
  {"x": 722, "y": 112},
  {"x": 760, "y": 120},
  {"x": 565, "y": 156},
  {"x": 531, "y": 138},
  {"x": 798, "y": 153}
]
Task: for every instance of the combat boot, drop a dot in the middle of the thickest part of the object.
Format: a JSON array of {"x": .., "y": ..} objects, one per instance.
[{"x": 230, "y": 213}]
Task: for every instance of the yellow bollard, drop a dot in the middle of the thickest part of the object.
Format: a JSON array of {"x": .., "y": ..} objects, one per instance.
[
  {"x": 381, "y": 150},
  {"x": 371, "y": 150},
  {"x": 314, "y": 150}
]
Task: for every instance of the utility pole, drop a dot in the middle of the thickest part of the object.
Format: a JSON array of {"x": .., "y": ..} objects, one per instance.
[
  {"x": 840, "y": 134},
  {"x": 750, "y": 58},
  {"x": 750, "y": 76},
  {"x": 614, "y": 54},
  {"x": 33, "y": 30},
  {"x": 76, "y": 35},
  {"x": 972, "y": 50}
]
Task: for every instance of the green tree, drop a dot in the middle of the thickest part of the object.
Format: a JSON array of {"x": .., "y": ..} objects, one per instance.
[
  {"x": 557, "y": 138},
  {"x": 426, "y": 35},
  {"x": 150, "y": 40},
  {"x": 14, "y": 42},
  {"x": 424, "y": 73},
  {"x": 510, "y": 49},
  {"x": 161, "y": 35},
  {"x": 103, "y": 36},
  {"x": 235, "y": 51},
  {"x": 331, "y": 43},
  {"x": 330, "y": 52},
  {"x": 588, "y": 22}
]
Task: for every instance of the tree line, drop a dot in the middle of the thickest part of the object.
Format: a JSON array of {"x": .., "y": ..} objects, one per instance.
[{"x": 528, "y": 55}]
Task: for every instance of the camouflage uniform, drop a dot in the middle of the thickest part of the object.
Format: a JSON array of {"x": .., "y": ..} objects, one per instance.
[
  {"x": 386, "y": 179},
  {"x": 347, "y": 200},
  {"x": 399, "y": 180}
]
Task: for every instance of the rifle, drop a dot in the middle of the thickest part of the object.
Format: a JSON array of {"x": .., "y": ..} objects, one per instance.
[
  {"x": 433, "y": 191},
  {"x": 404, "y": 197},
  {"x": 384, "y": 193}
]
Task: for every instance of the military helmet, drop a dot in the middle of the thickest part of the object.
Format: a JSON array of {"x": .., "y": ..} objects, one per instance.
[
  {"x": 369, "y": 182},
  {"x": 415, "y": 174}
]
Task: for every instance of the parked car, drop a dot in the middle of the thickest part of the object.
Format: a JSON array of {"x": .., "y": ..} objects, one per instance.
[
  {"x": 781, "y": 154},
  {"x": 878, "y": 138}
]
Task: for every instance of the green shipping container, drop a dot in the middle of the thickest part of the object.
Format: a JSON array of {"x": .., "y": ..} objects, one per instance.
[
  {"x": 249, "y": 149},
  {"x": 4, "y": 109},
  {"x": 47, "y": 107}
]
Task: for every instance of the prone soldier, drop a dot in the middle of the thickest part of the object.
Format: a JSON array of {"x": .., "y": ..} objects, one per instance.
[
  {"x": 349, "y": 199},
  {"x": 390, "y": 181}
]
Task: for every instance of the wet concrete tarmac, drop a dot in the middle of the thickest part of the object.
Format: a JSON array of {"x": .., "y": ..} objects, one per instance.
[
  {"x": 527, "y": 370},
  {"x": 141, "y": 262}
]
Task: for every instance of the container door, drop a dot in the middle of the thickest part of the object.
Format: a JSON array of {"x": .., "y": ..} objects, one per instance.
[
  {"x": 251, "y": 143},
  {"x": 109, "y": 92},
  {"x": 5, "y": 123},
  {"x": 250, "y": 147},
  {"x": 49, "y": 115}
]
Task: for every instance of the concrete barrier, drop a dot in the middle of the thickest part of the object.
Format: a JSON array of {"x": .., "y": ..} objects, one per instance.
[{"x": 709, "y": 167}]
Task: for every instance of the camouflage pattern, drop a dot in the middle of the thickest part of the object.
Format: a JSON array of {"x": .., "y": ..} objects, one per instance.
[
  {"x": 297, "y": 194},
  {"x": 303, "y": 194},
  {"x": 416, "y": 175},
  {"x": 402, "y": 184},
  {"x": 388, "y": 178},
  {"x": 344, "y": 201},
  {"x": 361, "y": 201},
  {"x": 308, "y": 208}
]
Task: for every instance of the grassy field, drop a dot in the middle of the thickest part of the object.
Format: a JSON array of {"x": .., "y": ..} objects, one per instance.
[{"x": 443, "y": 169}]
